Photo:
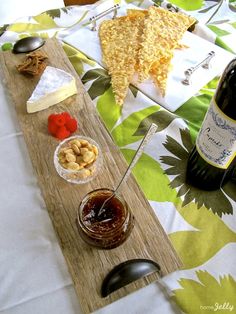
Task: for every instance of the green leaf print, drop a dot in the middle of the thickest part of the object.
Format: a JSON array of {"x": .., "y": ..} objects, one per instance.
[
  {"x": 217, "y": 201},
  {"x": 229, "y": 188},
  {"x": 57, "y": 12},
  {"x": 54, "y": 13},
  {"x": 135, "y": 2},
  {"x": 158, "y": 2},
  {"x": 124, "y": 133},
  {"x": 94, "y": 74},
  {"x": 43, "y": 35},
  {"x": 188, "y": 5},
  {"x": 193, "y": 112},
  {"x": 207, "y": 9},
  {"x": 232, "y": 7},
  {"x": 197, "y": 247},
  {"x": 219, "y": 42},
  {"x": 134, "y": 90},
  {"x": 161, "y": 118},
  {"x": 218, "y": 31},
  {"x": 77, "y": 58},
  {"x": 108, "y": 109},
  {"x": 77, "y": 63},
  {"x": 26, "y": 27},
  {"x": 7, "y": 46},
  {"x": 3, "y": 29},
  {"x": 101, "y": 82},
  {"x": 153, "y": 182},
  {"x": 44, "y": 22},
  {"x": 99, "y": 86},
  {"x": 218, "y": 294},
  {"x": 209, "y": 89}
]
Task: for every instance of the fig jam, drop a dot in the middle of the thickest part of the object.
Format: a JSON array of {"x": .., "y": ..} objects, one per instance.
[{"x": 110, "y": 227}]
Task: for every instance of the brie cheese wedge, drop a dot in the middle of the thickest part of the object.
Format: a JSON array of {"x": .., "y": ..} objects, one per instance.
[{"x": 54, "y": 86}]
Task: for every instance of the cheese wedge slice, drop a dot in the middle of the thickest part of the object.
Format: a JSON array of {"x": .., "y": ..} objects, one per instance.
[{"x": 54, "y": 86}]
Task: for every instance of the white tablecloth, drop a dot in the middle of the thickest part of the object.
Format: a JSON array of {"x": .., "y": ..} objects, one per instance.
[
  {"x": 11, "y": 10},
  {"x": 33, "y": 273}
]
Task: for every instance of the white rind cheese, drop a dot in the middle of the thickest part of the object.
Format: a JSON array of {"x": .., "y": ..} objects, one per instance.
[{"x": 54, "y": 86}]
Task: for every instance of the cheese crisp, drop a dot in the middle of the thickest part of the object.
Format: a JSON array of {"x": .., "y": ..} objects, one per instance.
[
  {"x": 142, "y": 42},
  {"x": 159, "y": 72},
  {"x": 135, "y": 12},
  {"x": 162, "y": 31},
  {"x": 120, "y": 45}
]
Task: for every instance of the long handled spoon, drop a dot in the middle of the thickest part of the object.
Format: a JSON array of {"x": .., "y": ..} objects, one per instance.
[{"x": 152, "y": 129}]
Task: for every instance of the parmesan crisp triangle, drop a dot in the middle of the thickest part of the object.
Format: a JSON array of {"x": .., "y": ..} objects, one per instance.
[
  {"x": 161, "y": 33},
  {"x": 120, "y": 45},
  {"x": 142, "y": 42}
]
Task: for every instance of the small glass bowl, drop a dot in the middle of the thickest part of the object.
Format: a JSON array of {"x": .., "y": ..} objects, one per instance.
[
  {"x": 112, "y": 227},
  {"x": 85, "y": 171}
]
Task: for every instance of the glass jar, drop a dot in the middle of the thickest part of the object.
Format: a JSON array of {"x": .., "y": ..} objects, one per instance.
[
  {"x": 109, "y": 228},
  {"x": 72, "y": 161}
]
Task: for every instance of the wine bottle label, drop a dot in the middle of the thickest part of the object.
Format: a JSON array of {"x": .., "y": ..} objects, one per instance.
[{"x": 216, "y": 141}]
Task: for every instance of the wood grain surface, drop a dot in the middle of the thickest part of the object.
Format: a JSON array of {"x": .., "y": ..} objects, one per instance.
[{"x": 87, "y": 265}]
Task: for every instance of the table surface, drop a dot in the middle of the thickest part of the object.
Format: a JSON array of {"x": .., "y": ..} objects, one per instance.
[
  {"x": 201, "y": 226},
  {"x": 12, "y": 9}
]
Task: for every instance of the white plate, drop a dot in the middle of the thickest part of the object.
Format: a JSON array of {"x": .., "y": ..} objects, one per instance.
[{"x": 87, "y": 41}]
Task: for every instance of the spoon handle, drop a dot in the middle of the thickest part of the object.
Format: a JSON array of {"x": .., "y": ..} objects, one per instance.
[{"x": 152, "y": 129}]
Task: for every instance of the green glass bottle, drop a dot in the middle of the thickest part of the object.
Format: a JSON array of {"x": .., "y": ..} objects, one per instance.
[{"x": 212, "y": 161}]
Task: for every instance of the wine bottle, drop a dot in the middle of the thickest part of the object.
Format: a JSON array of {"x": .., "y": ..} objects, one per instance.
[{"x": 212, "y": 161}]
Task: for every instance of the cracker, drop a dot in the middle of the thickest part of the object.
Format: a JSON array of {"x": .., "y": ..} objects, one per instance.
[
  {"x": 142, "y": 42},
  {"x": 136, "y": 12},
  {"x": 120, "y": 45},
  {"x": 162, "y": 31},
  {"x": 159, "y": 73},
  {"x": 34, "y": 64}
]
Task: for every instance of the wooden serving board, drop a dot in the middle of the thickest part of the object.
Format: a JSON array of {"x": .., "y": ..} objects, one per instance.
[{"x": 88, "y": 266}]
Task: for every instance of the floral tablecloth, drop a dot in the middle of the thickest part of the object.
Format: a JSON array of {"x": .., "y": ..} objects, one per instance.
[{"x": 201, "y": 225}]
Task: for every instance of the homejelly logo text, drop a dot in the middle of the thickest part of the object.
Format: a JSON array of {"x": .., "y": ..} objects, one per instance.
[{"x": 226, "y": 306}]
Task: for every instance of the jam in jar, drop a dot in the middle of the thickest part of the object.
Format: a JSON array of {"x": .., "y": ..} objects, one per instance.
[{"x": 108, "y": 228}]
